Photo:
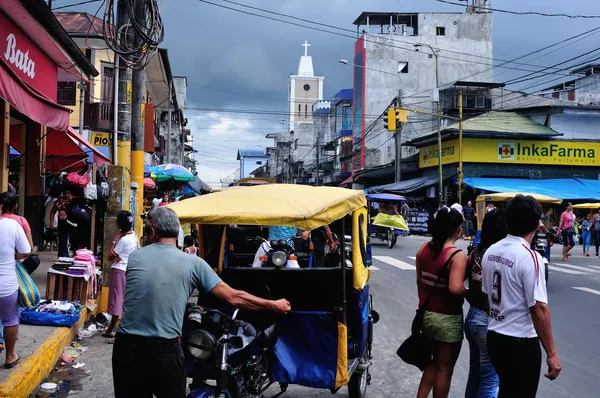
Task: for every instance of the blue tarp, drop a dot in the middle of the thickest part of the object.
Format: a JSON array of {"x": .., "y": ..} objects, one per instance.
[
  {"x": 562, "y": 188},
  {"x": 385, "y": 197}
]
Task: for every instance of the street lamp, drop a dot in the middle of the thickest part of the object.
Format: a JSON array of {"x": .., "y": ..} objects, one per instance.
[
  {"x": 439, "y": 123},
  {"x": 401, "y": 66}
]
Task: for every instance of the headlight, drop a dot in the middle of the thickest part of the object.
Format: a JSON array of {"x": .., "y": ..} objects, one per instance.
[
  {"x": 279, "y": 259},
  {"x": 201, "y": 344}
]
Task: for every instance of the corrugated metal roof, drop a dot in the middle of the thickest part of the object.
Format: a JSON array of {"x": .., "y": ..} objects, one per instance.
[
  {"x": 257, "y": 153},
  {"x": 345, "y": 94},
  {"x": 497, "y": 124},
  {"x": 80, "y": 23}
]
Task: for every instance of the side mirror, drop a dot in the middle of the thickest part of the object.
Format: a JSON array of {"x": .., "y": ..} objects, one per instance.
[{"x": 236, "y": 342}]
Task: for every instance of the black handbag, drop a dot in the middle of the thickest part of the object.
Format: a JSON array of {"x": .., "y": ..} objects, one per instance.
[{"x": 414, "y": 350}]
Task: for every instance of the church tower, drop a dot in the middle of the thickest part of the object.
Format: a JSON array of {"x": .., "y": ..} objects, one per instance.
[{"x": 304, "y": 89}]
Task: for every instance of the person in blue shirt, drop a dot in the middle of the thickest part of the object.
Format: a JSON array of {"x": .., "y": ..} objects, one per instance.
[{"x": 147, "y": 354}]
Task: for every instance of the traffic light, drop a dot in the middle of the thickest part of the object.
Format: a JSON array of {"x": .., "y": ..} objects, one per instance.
[
  {"x": 401, "y": 116},
  {"x": 389, "y": 120}
]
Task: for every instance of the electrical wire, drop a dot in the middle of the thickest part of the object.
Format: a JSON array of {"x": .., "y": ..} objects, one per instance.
[
  {"x": 541, "y": 14},
  {"x": 141, "y": 36},
  {"x": 75, "y": 4}
]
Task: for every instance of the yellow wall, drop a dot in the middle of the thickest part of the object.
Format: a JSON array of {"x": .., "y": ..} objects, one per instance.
[{"x": 482, "y": 150}]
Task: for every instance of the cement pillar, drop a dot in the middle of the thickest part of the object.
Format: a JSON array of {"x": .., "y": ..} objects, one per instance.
[{"x": 33, "y": 206}]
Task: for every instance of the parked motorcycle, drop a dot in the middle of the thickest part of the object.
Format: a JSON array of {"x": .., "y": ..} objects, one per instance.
[
  {"x": 222, "y": 348},
  {"x": 277, "y": 252}
]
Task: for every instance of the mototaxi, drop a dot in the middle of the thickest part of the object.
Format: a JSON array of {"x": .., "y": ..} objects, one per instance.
[
  {"x": 394, "y": 225},
  {"x": 326, "y": 340}
]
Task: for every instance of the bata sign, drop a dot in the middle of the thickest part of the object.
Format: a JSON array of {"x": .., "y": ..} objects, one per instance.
[
  {"x": 19, "y": 58},
  {"x": 27, "y": 59},
  {"x": 481, "y": 150}
]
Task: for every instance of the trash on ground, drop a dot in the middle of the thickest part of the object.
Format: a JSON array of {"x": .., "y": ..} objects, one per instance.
[
  {"x": 49, "y": 387},
  {"x": 75, "y": 345},
  {"x": 82, "y": 349},
  {"x": 78, "y": 365},
  {"x": 84, "y": 334},
  {"x": 66, "y": 358},
  {"x": 92, "y": 328}
]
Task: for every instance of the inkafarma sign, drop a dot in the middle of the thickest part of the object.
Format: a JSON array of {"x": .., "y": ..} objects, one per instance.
[
  {"x": 482, "y": 150},
  {"x": 26, "y": 59}
]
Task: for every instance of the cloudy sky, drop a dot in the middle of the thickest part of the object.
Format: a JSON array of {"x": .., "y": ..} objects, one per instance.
[{"x": 237, "y": 63}]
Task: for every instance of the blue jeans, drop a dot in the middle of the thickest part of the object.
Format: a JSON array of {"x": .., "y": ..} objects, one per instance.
[
  {"x": 483, "y": 380},
  {"x": 63, "y": 239},
  {"x": 587, "y": 237},
  {"x": 547, "y": 252}
]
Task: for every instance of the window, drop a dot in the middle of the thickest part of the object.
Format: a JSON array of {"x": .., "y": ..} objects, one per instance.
[
  {"x": 66, "y": 93},
  {"x": 296, "y": 144},
  {"x": 107, "y": 84},
  {"x": 306, "y": 111},
  {"x": 440, "y": 31},
  {"x": 299, "y": 110},
  {"x": 404, "y": 69},
  {"x": 259, "y": 162}
]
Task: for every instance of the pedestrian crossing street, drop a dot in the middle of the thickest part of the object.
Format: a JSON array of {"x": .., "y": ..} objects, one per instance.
[{"x": 560, "y": 267}]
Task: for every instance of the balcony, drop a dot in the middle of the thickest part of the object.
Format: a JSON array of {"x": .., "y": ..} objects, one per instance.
[{"x": 99, "y": 116}]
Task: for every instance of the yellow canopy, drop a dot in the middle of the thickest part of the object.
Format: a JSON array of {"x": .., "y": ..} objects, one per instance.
[
  {"x": 506, "y": 196},
  {"x": 587, "y": 206},
  {"x": 271, "y": 204}
]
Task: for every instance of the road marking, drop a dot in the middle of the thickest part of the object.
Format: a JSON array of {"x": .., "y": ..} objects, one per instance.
[
  {"x": 394, "y": 262},
  {"x": 373, "y": 268},
  {"x": 587, "y": 289},
  {"x": 578, "y": 268},
  {"x": 412, "y": 258},
  {"x": 566, "y": 271}
]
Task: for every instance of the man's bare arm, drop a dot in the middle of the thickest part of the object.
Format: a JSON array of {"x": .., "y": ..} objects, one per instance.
[
  {"x": 540, "y": 314},
  {"x": 244, "y": 300}
]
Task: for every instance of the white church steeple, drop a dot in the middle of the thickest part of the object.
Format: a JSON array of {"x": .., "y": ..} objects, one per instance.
[{"x": 304, "y": 90}]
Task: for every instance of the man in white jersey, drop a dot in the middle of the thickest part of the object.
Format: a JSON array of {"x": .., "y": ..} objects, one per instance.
[{"x": 514, "y": 283}]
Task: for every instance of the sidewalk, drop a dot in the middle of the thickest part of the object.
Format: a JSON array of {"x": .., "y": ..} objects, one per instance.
[{"x": 39, "y": 346}]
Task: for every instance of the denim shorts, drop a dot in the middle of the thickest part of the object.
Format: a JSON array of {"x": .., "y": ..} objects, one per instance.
[{"x": 443, "y": 327}]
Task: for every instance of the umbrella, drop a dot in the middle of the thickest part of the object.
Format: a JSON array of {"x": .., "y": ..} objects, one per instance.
[
  {"x": 168, "y": 172},
  {"x": 200, "y": 186},
  {"x": 148, "y": 183}
]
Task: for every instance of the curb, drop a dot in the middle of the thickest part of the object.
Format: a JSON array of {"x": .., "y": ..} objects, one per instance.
[{"x": 25, "y": 378}]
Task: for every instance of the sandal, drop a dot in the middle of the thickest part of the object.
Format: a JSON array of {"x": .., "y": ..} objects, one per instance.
[{"x": 13, "y": 363}]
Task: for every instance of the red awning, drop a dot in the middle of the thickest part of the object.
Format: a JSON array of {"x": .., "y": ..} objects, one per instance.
[
  {"x": 62, "y": 152},
  {"x": 347, "y": 181},
  {"x": 31, "y": 103},
  {"x": 99, "y": 158}
]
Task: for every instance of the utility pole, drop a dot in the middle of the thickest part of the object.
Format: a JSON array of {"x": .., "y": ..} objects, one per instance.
[
  {"x": 460, "y": 145},
  {"x": 137, "y": 130},
  {"x": 318, "y": 150},
  {"x": 439, "y": 128},
  {"x": 169, "y": 116},
  {"x": 398, "y": 141},
  {"x": 125, "y": 96},
  {"x": 81, "y": 103}
]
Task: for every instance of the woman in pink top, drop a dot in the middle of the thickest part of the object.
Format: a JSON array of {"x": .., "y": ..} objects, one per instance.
[
  {"x": 443, "y": 318},
  {"x": 10, "y": 203},
  {"x": 567, "y": 220}
]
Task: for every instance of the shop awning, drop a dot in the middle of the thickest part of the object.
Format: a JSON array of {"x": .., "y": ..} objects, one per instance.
[
  {"x": 404, "y": 187},
  {"x": 30, "y": 102},
  {"x": 562, "y": 188},
  {"x": 99, "y": 158}
]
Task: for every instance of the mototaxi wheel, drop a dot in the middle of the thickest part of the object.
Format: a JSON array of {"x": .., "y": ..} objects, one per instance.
[
  {"x": 391, "y": 238},
  {"x": 359, "y": 381}
]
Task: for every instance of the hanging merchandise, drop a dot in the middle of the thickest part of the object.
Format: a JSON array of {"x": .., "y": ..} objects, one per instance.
[
  {"x": 90, "y": 191},
  {"x": 79, "y": 179},
  {"x": 102, "y": 185}
]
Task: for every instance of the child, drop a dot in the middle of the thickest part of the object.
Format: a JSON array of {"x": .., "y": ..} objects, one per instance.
[
  {"x": 586, "y": 234},
  {"x": 189, "y": 247}
]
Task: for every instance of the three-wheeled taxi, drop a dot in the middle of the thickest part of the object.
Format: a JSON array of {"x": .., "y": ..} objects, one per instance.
[
  {"x": 326, "y": 340},
  {"x": 540, "y": 240},
  {"x": 386, "y": 227}
]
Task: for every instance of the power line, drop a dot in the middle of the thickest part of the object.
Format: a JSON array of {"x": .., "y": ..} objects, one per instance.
[
  {"x": 541, "y": 14},
  {"x": 75, "y": 4},
  {"x": 371, "y": 41},
  {"x": 235, "y": 93},
  {"x": 347, "y": 30}
]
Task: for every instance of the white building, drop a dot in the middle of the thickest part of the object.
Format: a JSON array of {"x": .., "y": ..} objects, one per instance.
[{"x": 250, "y": 160}]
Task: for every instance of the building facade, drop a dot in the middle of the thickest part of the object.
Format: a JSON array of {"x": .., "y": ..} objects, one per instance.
[
  {"x": 250, "y": 160},
  {"x": 393, "y": 57}
]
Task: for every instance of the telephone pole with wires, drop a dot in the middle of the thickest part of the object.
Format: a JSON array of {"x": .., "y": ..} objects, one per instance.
[
  {"x": 137, "y": 128},
  {"x": 125, "y": 99}
]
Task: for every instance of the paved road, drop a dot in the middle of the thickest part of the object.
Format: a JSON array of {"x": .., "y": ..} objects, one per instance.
[{"x": 574, "y": 292}]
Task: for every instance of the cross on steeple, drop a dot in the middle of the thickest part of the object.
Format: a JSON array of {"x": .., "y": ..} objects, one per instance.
[{"x": 306, "y": 45}]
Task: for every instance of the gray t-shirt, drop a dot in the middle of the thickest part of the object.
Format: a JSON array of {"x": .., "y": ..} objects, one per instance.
[{"x": 160, "y": 280}]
